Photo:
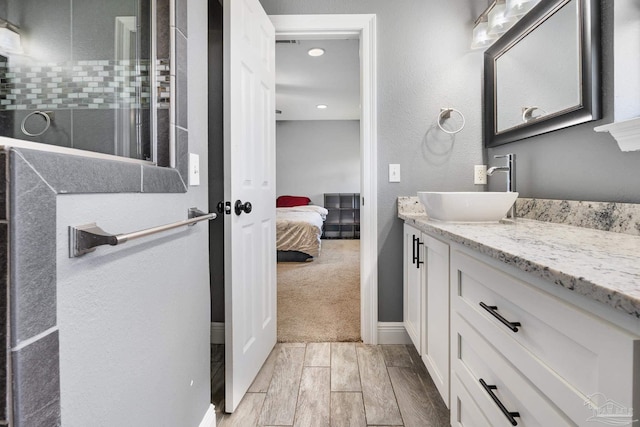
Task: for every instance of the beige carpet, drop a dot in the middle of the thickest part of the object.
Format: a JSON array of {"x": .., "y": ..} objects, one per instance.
[{"x": 319, "y": 301}]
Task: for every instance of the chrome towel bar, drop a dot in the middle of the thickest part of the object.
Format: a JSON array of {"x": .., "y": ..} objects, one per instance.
[{"x": 85, "y": 238}]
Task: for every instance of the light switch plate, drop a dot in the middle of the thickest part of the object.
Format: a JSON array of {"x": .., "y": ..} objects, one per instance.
[
  {"x": 194, "y": 169},
  {"x": 394, "y": 172}
]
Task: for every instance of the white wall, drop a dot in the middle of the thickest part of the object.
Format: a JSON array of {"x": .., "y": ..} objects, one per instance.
[{"x": 314, "y": 157}]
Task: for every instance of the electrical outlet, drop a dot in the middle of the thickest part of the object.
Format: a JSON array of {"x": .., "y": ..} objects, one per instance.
[
  {"x": 480, "y": 174},
  {"x": 394, "y": 173}
]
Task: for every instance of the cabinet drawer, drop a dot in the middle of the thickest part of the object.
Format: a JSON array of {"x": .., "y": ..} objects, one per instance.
[
  {"x": 475, "y": 360},
  {"x": 464, "y": 410},
  {"x": 567, "y": 353}
]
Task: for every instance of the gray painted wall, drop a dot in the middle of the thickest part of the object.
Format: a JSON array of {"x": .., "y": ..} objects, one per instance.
[
  {"x": 424, "y": 63},
  {"x": 133, "y": 320},
  {"x": 314, "y": 157}
]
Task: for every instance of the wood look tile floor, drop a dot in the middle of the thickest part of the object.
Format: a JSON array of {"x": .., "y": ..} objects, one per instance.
[{"x": 334, "y": 384}]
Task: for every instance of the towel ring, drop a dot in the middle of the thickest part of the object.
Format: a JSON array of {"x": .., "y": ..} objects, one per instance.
[
  {"x": 44, "y": 114},
  {"x": 445, "y": 113},
  {"x": 527, "y": 113}
]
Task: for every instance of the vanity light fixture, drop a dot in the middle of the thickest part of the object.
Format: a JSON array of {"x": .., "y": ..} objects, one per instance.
[
  {"x": 9, "y": 37},
  {"x": 316, "y": 51},
  {"x": 481, "y": 37},
  {"x": 499, "y": 22},
  {"x": 519, "y": 8},
  {"x": 321, "y": 106},
  {"x": 496, "y": 19}
]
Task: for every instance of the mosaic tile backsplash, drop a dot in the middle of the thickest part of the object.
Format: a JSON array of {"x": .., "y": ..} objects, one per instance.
[{"x": 95, "y": 84}]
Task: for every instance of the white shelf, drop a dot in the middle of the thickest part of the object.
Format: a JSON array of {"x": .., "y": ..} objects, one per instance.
[{"x": 626, "y": 133}]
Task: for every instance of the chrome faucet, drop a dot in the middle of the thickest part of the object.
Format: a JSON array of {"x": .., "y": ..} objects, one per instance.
[{"x": 511, "y": 176}]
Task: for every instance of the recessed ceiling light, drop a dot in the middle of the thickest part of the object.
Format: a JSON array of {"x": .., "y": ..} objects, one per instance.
[
  {"x": 321, "y": 106},
  {"x": 316, "y": 51}
]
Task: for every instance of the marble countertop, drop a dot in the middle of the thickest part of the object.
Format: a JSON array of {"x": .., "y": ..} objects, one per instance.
[{"x": 598, "y": 264}]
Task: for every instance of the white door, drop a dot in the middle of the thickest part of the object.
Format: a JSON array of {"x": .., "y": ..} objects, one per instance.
[{"x": 249, "y": 162}]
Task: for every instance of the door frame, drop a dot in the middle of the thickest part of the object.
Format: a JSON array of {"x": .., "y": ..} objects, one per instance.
[{"x": 362, "y": 27}]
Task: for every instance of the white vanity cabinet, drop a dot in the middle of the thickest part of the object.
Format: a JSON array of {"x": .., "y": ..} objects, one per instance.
[
  {"x": 523, "y": 352},
  {"x": 426, "y": 302}
]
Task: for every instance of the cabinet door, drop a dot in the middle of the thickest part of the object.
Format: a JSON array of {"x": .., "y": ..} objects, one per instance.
[
  {"x": 412, "y": 284},
  {"x": 435, "y": 335}
]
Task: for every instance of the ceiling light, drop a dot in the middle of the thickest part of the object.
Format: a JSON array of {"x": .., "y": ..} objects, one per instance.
[
  {"x": 321, "y": 106},
  {"x": 9, "y": 38},
  {"x": 316, "y": 51}
]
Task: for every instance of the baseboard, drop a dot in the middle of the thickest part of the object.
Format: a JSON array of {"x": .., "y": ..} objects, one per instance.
[
  {"x": 392, "y": 333},
  {"x": 388, "y": 333},
  {"x": 209, "y": 419},
  {"x": 217, "y": 333}
]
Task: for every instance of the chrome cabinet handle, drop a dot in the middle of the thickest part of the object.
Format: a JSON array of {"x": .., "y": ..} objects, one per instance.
[
  {"x": 510, "y": 415},
  {"x": 492, "y": 310}
]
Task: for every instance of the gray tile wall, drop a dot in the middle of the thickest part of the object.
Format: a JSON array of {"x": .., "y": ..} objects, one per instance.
[
  {"x": 179, "y": 130},
  {"x": 92, "y": 84},
  {"x": 4, "y": 291},
  {"x": 32, "y": 245}
]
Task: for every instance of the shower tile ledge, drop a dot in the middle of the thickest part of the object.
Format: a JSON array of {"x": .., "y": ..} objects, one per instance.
[{"x": 600, "y": 265}]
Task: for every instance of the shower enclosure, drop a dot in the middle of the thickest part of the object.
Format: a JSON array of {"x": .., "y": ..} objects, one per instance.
[{"x": 84, "y": 74}]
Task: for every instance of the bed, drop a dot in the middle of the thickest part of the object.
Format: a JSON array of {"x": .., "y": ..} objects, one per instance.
[{"x": 298, "y": 231}]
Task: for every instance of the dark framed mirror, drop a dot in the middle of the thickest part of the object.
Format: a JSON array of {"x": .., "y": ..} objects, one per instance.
[{"x": 544, "y": 73}]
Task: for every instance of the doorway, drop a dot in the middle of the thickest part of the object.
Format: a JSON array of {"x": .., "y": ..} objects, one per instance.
[
  {"x": 362, "y": 27},
  {"x": 238, "y": 373},
  {"x": 318, "y": 158}
]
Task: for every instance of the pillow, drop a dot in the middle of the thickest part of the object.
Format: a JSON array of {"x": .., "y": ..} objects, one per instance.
[{"x": 291, "y": 201}]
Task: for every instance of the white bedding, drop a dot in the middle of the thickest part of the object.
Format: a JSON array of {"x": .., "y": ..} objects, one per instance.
[
  {"x": 299, "y": 228},
  {"x": 306, "y": 208}
]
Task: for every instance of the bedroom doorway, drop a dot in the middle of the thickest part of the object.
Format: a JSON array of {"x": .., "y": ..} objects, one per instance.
[{"x": 360, "y": 31}]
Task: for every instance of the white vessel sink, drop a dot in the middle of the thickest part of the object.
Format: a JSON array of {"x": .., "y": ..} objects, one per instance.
[{"x": 462, "y": 206}]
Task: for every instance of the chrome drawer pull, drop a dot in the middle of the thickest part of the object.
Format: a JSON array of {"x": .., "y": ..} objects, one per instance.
[
  {"x": 510, "y": 415},
  {"x": 492, "y": 310}
]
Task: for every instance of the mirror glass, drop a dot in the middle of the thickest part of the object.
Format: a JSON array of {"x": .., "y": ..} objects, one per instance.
[
  {"x": 80, "y": 74},
  {"x": 542, "y": 74}
]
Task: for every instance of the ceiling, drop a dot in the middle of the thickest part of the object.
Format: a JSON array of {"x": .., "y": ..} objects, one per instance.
[{"x": 303, "y": 81}]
